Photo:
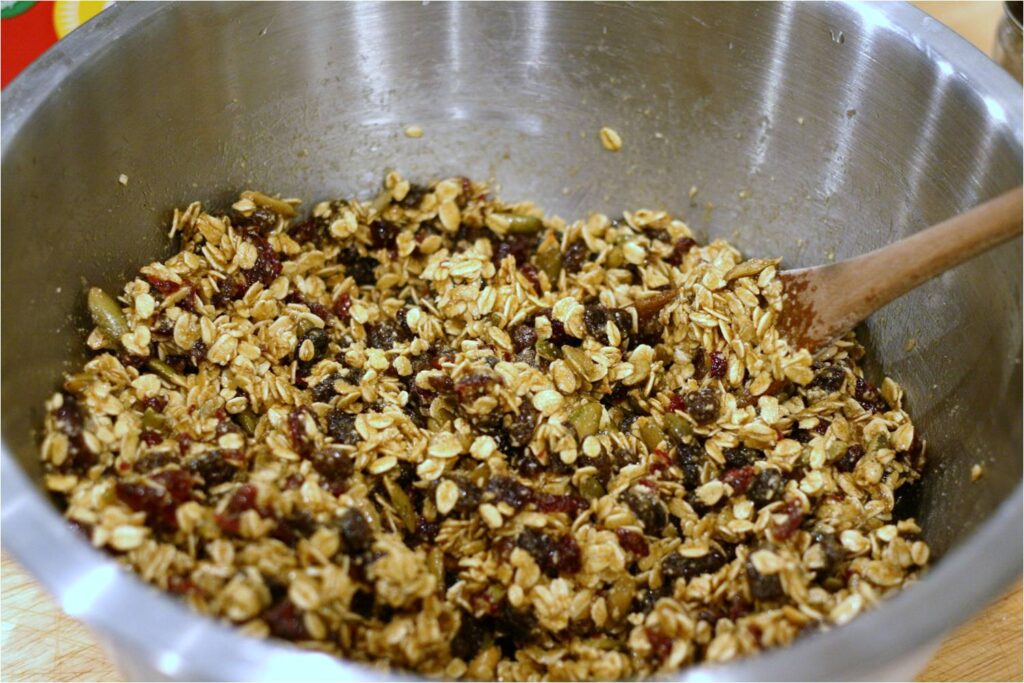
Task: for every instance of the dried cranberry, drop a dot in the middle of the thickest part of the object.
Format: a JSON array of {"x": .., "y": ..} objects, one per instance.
[
  {"x": 767, "y": 487},
  {"x": 703, "y": 405},
  {"x": 356, "y": 533},
  {"x": 267, "y": 266},
  {"x": 180, "y": 585},
  {"x": 312, "y": 230},
  {"x": 552, "y": 556},
  {"x": 718, "y": 364},
  {"x": 739, "y": 479},
  {"x": 676, "y": 403},
  {"x": 661, "y": 645},
  {"x": 523, "y": 337},
  {"x": 165, "y": 287},
  {"x": 519, "y": 246},
  {"x": 341, "y": 307},
  {"x": 285, "y": 621},
  {"x": 150, "y": 438},
  {"x": 154, "y": 403},
  {"x": 632, "y": 541},
  {"x": 680, "y": 249},
  {"x": 297, "y": 430},
  {"x": 552, "y": 502},
  {"x": 155, "y": 502},
  {"x": 850, "y": 458},
  {"x": 793, "y": 518},
  {"x": 178, "y": 483}
]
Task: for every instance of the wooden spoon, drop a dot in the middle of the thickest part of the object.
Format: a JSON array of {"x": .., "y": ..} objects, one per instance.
[{"x": 824, "y": 302}]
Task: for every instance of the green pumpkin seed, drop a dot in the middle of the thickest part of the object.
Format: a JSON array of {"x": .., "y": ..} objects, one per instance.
[
  {"x": 248, "y": 420},
  {"x": 591, "y": 488},
  {"x": 651, "y": 434},
  {"x": 165, "y": 371},
  {"x": 518, "y": 222},
  {"x": 586, "y": 418},
  {"x": 403, "y": 506},
  {"x": 547, "y": 350},
  {"x": 550, "y": 261},
  {"x": 678, "y": 428},
  {"x": 152, "y": 419},
  {"x": 107, "y": 315}
]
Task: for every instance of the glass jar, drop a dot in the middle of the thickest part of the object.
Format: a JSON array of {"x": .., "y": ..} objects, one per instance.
[{"x": 1007, "y": 48}]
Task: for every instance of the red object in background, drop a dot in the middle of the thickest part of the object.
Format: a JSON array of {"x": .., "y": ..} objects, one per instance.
[{"x": 24, "y": 37}]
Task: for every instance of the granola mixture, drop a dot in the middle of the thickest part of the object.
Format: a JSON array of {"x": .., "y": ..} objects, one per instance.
[{"x": 440, "y": 432}]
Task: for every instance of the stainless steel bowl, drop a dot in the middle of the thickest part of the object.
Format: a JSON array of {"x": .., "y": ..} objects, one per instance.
[{"x": 812, "y": 129}]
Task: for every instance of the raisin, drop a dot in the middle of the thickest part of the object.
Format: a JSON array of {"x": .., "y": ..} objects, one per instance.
[
  {"x": 318, "y": 338},
  {"x": 676, "y": 566},
  {"x": 850, "y": 458},
  {"x": 313, "y": 230},
  {"x": 469, "y": 497},
  {"x": 531, "y": 273},
  {"x": 332, "y": 464},
  {"x": 523, "y": 337},
  {"x": 285, "y": 621},
  {"x": 648, "y": 509},
  {"x": 383, "y": 234},
  {"x": 298, "y": 525},
  {"x": 595, "y": 318},
  {"x": 519, "y": 626},
  {"x": 342, "y": 427},
  {"x": 680, "y": 249},
  {"x": 508, "y": 490},
  {"x": 165, "y": 287},
  {"x": 356, "y": 534},
  {"x": 703, "y": 405},
  {"x": 297, "y": 430},
  {"x": 386, "y": 333},
  {"x": 832, "y": 549},
  {"x": 155, "y": 460},
  {"x": 263, "y": 220},
  {"x": 361, "y": 269},
  {"x": 830, "y": 378},
  {"x": 575, "y": 256},
  {"x": 520, "y": 431},
  {"x": 767, "y": 488},
  {"x": 414, "y": 196},
  {"x": 518, "y": 246},
  {"x": 71, "y": 423},
  {"x": 740, "y": 456},
  {"x": 474, "y": 386},
  {"x": 700, "y": 365},
  {"x": 324, "y": 391},
  {"x": 739, "y": 479},
  {"x": 363, "y": 603},
  {"x": 469, "y": 638},
  {"x": 632, "y": 541},
  {"x": 763, "y": 587}
]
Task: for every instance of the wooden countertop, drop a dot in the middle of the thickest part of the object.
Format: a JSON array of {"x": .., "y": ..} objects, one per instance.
[{"x": 39, "y": 642}]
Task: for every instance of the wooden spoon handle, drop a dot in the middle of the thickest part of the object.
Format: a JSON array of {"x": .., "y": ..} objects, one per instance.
[{"x": 848, "y": 292}]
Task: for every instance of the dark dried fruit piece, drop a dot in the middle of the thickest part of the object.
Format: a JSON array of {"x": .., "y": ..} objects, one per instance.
[
  {"x": 763, "y": 587},
  {"x": 633, "y": 542},
  {"x": 849, "y": 461},
  {"x": 676, "y": 566},
  {"x": 356, "y": 534},
  {"x": 740, "y": 456},
  {"x": 523, "y": 337},
  {"x": 793, "y": 518},
  {"x": 333, "y": 464},
  {"x": 868, "y": 395},
  {"x": 386, "y": 333},
  {"x": 680, "y": 249},
  {"x": 739, "y": 479},
  {"x": 703, "y": 405},
  {"x": 830, "y": 378},
  {"x": 689, "y": 458},
  {"x": 285, "y": 621},
  {"x": 469, "y": 638},
  {"x": 507, "y": 490},
  {"x": 575, "y": 256},
  {"x": 648, "y": 509},
  {"x": 768, "y": 487},
  {"x": 718, "y": 365},
  {"x": 342, "y": 427}
]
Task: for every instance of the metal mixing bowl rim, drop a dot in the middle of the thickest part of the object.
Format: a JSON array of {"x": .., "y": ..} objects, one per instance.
[{"x": 176, "y": 641}]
